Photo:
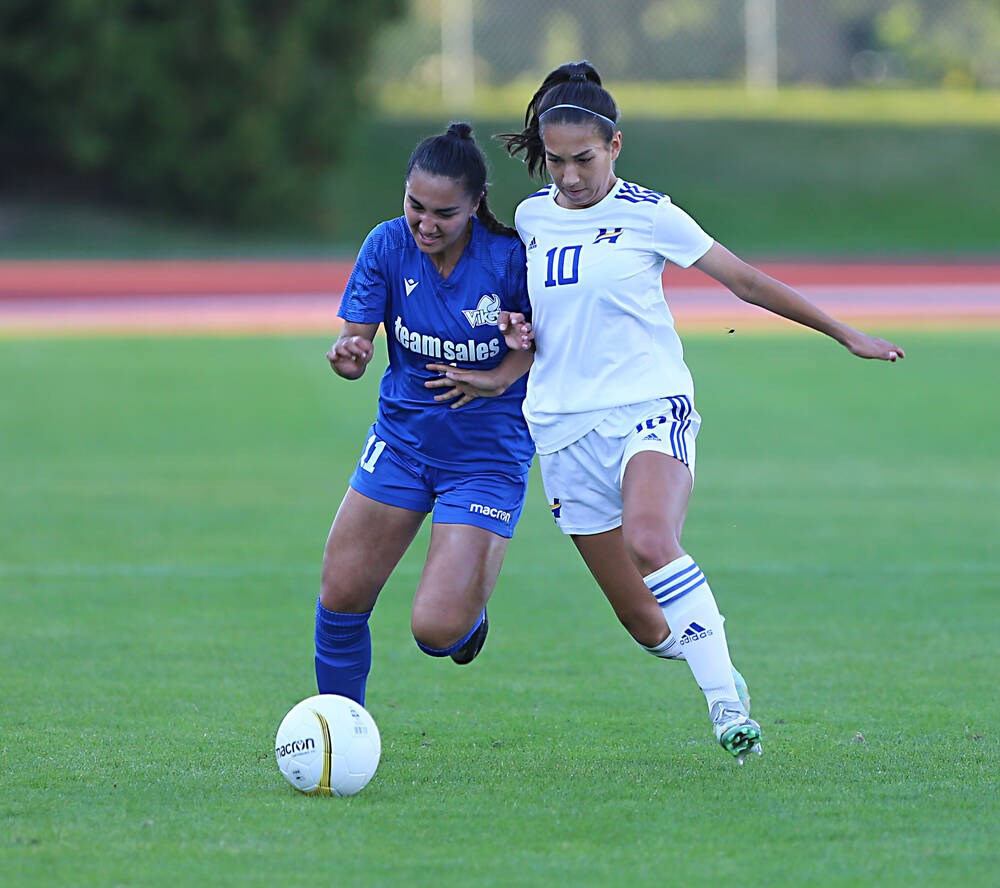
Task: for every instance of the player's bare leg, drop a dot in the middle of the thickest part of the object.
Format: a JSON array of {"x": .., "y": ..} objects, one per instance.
[
  {"x": 365, "y": 543},
  {"x": 633, "y": 602},
  {"x": 655, "y": 494},
  {"x": 459, "y": 575},
  {"x": 629, "y": 597}
]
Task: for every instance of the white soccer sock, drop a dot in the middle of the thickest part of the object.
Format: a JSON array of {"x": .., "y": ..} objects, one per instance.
[
  {"x": 668, "y": 649},
  {"x": 690, "y": 609}
]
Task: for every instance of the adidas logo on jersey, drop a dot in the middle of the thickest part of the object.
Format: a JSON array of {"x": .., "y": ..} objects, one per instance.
[
  {"x": 694, "y": 632},
  {"x": 532, "y": 244},
  {"x": 410, "y": 284},
  {"x": 652, "y": 436}
]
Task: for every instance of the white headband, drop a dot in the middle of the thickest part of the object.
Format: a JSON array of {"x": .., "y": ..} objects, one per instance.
[{"x": 607, "y": 120}]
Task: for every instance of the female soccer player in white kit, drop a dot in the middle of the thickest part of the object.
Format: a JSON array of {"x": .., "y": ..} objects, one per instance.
[{"x": 610, "y": 401}]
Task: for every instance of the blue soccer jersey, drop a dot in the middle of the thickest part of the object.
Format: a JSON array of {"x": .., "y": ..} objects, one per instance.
[{"x": 428, "y": 319}]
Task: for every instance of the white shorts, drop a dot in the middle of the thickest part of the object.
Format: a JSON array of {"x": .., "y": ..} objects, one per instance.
[{"x": 583, "y": 481}]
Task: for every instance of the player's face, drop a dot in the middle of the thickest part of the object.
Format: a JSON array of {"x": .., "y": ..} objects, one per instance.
[
  {"x": 580, "y": 162},
  {"x": 438, "y": 211}
]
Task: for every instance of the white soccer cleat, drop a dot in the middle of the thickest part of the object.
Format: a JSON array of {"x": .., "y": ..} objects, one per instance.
[
  {"x": 753, "y": 750},
  {"x": 736, "y": 732}
]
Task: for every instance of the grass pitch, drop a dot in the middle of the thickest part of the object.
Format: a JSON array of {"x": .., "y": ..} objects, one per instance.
[{"x": 165, "y": 503}]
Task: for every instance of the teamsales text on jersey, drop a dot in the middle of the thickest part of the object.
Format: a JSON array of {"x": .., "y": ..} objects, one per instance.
[{"x": 445, "y": 349}]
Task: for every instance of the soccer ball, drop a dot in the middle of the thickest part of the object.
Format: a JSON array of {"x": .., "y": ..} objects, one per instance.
[{"x": 328, "y": 745}]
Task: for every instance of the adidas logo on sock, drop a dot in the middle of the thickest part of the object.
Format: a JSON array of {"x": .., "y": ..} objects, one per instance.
[{"x": 694, "y": 632}]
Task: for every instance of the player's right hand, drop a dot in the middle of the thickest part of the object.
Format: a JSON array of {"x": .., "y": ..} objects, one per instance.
[{"x": 349, "y": 356}]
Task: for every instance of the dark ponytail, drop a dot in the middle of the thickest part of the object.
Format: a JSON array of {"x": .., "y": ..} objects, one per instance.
[
  {"x": 576, "y": 84},
  {"x": 455, "y": 155}
]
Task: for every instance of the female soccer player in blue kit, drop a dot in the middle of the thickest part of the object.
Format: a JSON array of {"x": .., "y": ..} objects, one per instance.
[
  {"x": 610, "y": 400},
  {"x": 436, "y": 279}
]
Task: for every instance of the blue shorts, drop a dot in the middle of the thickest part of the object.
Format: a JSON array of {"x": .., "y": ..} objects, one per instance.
[{"x": 492, "y": 500}]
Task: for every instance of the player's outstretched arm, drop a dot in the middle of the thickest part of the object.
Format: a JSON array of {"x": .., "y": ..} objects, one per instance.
[
  {"x": 753, "y": 286},
  {"x": 350, "y": 354}
]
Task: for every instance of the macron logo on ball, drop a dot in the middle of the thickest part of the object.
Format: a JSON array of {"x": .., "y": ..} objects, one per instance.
[{"x": 294, "y": 746}]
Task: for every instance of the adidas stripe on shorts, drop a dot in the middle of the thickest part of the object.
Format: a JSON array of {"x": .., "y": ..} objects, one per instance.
[{"x": 583, "y": 481}]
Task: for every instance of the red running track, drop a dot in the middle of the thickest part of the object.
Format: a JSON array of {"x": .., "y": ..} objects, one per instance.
[{"x": 235, "y": 297}]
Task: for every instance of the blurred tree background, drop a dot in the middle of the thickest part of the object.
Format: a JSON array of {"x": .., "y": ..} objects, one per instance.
[
  {"x": 836, "y": 43},
  {"x": 138, "y": 126},
  {"x": 222, "y": 109}
]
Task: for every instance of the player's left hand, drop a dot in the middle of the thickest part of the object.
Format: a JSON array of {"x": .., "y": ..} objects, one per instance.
[
  {"x": 871, "y": 347},
  {"x": 517, "y": 330},
  {"x": 464, "y": 384}
]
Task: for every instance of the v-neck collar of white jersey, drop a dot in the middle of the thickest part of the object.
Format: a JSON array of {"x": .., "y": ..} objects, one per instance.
[{"x": 619, "y": 181}]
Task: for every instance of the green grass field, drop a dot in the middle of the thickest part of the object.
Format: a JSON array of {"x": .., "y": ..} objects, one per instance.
[{"x": 165, "y": 503}]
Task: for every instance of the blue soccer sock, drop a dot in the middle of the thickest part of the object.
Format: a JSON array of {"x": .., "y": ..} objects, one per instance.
[
  {"x": 343, "y": 653},
  {"x": 448, "y": 651},
  {"x": 690, "y": 610}
]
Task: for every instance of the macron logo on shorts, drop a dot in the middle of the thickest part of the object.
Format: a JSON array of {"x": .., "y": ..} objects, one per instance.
[{"x": 490, "y": 512}]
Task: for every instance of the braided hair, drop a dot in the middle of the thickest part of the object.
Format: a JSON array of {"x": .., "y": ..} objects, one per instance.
[
  {"x": 572, "y": 93},
  {"x": 455, "y": 155}
]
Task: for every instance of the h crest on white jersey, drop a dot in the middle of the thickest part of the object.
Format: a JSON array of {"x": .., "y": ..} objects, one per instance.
[{"x": 610, "y": 235}]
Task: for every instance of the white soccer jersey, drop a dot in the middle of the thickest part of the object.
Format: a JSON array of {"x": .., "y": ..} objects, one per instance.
[{"x": 604, "y": 336}]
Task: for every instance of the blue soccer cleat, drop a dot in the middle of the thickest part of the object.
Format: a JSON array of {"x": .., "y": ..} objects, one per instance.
[{"x": 468, "y": 651}]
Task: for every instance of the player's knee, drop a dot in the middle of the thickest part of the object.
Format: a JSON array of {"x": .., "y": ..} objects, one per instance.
[
  {"x": 437, "y": 632},
  {"x": 649, "y": 546},
  {"x": 330, "y": 597},
  {"x": 343, "y": 597}
]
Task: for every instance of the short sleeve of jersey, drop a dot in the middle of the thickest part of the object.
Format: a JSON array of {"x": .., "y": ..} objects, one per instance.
[
  {"x": 519, "y": 212},
  {"x": 366, "y": 293},
  {"x": 517, "y": 279},
  {"x": 677, "y": 237}
]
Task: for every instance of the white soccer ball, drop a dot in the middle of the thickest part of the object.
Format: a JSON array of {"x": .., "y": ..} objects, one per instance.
[{"x": 328, "y": 745}]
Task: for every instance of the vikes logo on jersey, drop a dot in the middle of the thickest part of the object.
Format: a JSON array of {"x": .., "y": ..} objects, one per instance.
[{"x": 487, "y": 312}]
